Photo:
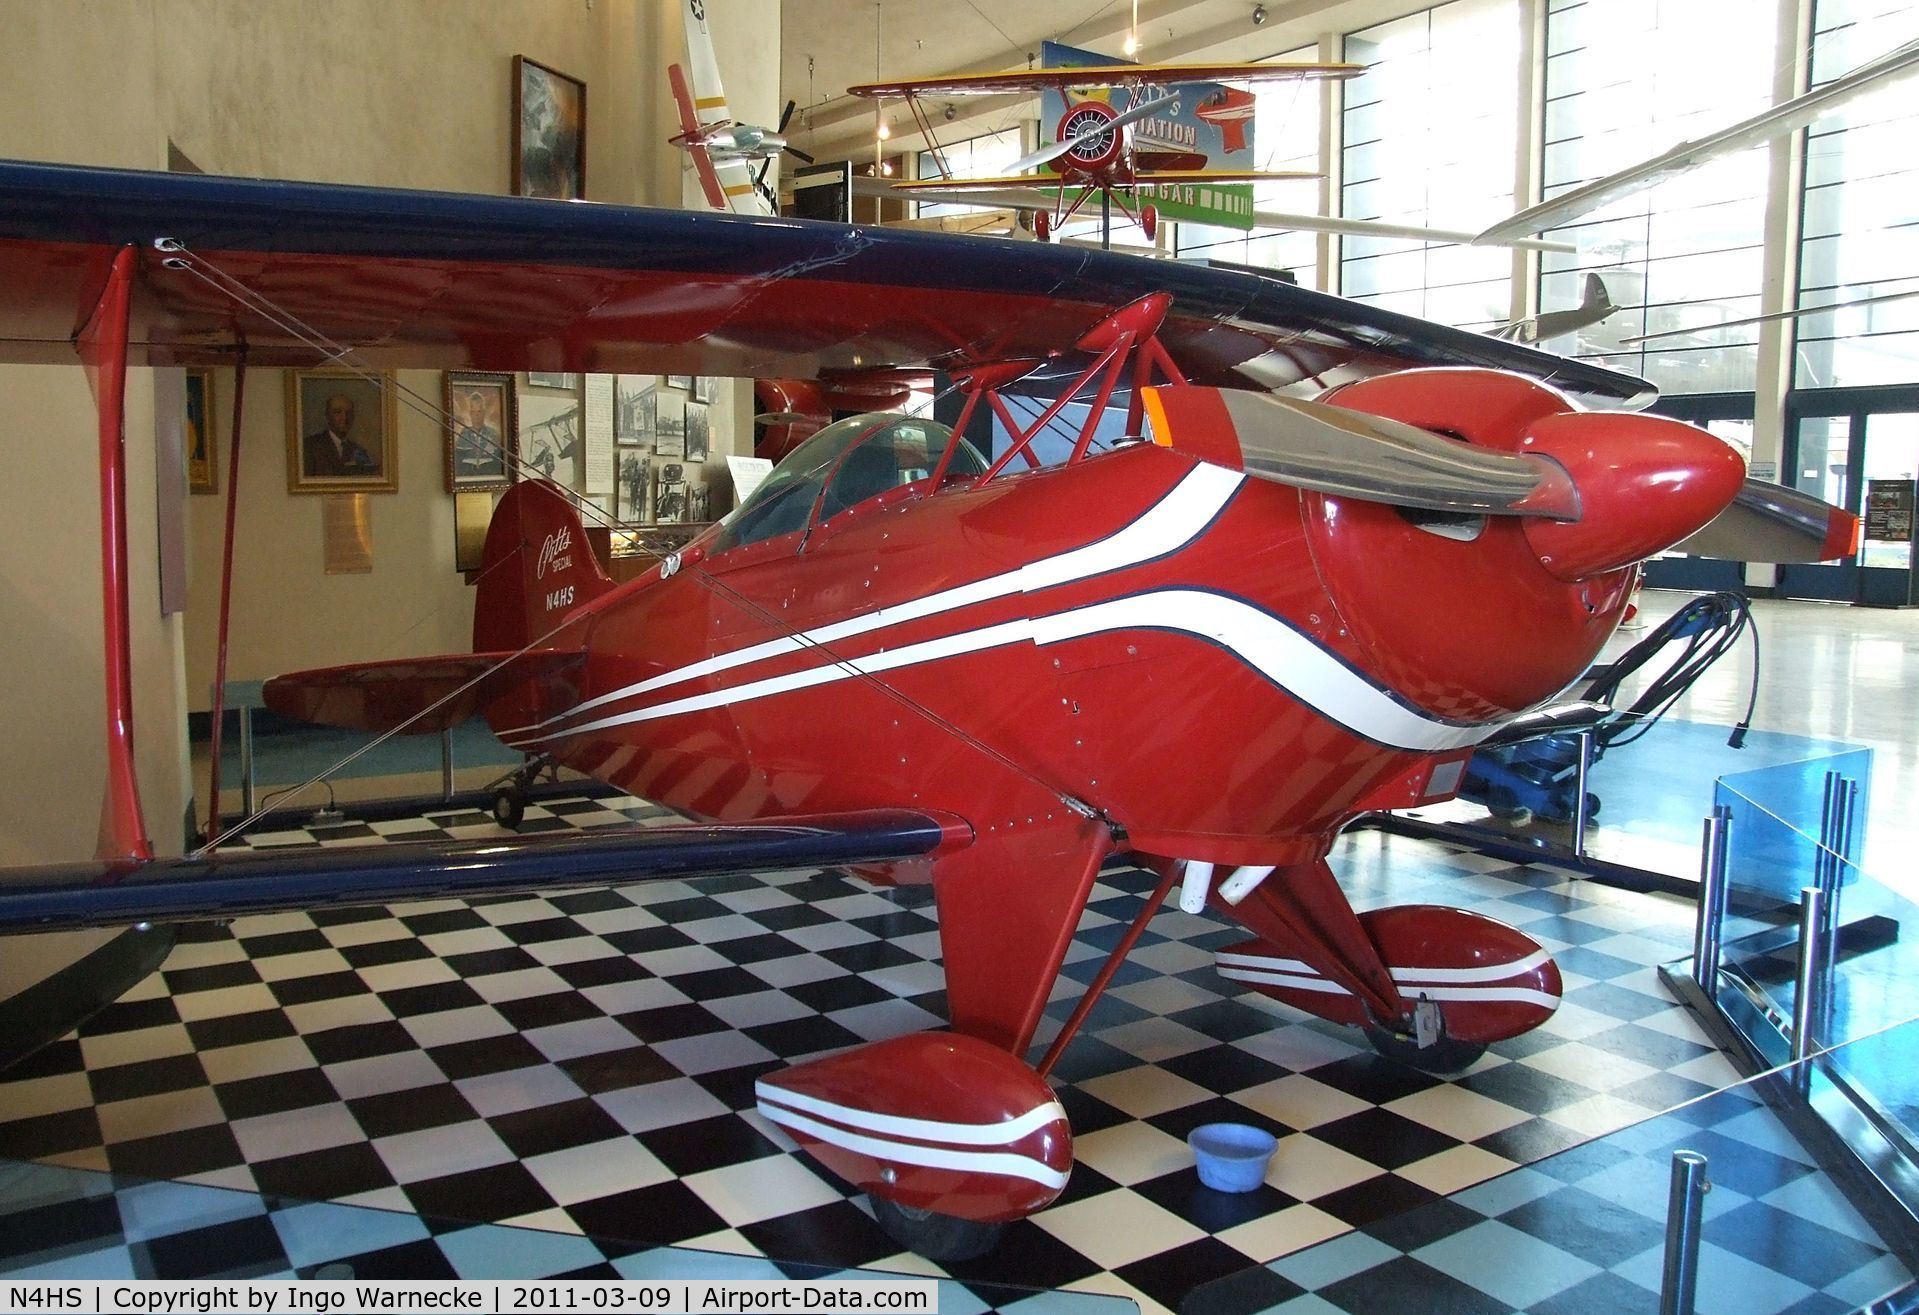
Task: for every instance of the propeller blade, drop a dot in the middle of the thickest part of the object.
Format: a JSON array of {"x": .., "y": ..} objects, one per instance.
[
  {"x": 798, "y": 154},
  {"x": 1769, "y": 522},
  {"x": 1330, "y": 449},
  {"x": 759, "y": 179},
  {"x": 1052, "y": 152},
  {"x": 786, "y": 116}
]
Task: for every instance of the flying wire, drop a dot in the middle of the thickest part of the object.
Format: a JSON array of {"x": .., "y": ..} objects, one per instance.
[{"x": 180, "y": 258}]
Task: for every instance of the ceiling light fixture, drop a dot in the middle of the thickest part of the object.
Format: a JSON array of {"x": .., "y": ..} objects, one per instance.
[{"x": 1132, "y": 35}]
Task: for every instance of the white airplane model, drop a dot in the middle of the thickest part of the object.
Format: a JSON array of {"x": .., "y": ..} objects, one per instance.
[
  {"x": 723, "y": 151},
  {"x": 1787, "y": 116}
]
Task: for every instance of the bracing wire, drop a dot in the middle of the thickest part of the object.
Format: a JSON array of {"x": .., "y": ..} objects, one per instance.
[{"x": 178, "y": 257}]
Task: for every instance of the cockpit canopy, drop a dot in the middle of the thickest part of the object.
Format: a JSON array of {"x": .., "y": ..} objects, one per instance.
[{"x": 840, "y": 467}]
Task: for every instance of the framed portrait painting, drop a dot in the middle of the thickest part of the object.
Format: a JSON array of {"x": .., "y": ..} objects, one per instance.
[
  {"x": 549, "y": 132},
  {"x": 203, "y": 454},
  {"x": 482, "y": 431},
  {"x": 341, "y": 433}
]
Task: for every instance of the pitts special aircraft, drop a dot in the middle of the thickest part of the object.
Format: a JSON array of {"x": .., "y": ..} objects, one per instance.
[
  {"x": 1095, "y": 150},
  {"x": 1206, "y": 647}
]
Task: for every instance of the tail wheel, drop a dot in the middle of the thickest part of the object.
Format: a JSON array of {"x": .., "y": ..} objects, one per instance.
[
  {"x": 509, "y": 807},
  {"x": 935, "y": 1236},
  {"x": 1149, "y": 221},
  {"x": 1043, "y": 225}
]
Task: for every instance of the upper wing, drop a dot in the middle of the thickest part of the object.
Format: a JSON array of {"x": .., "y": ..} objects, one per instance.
[
  {"x": 228, "y": 884},
  {"x": 445, "y": 281},
  {"x": 1102, "y": 75},
  {"x": 937, "y": 187}
]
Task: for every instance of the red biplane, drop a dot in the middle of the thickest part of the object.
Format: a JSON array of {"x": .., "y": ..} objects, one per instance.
[
  {"x": 1095, "y": 150},
  {"x": 1205, "y": 645}
]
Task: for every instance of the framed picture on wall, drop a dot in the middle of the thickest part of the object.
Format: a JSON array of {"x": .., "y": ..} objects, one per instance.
[
  {"x": 634, "y": 410},
  {"x": 703, "y": 388},
  {"x": 203, "y": 453},
  {"x": 341, "y": 433},
  {"x": 539, "y": 380},
  {"x": 697, "y": 441},
  {"x": 635, "y": 477},
  {"x": 549, "y": 132},
  {"x": 682, "y": 381},
  {"x": 482, "y": 431}
]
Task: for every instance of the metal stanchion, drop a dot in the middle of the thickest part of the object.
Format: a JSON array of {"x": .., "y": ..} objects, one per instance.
[
  {"x": 1812, "y": 966},
  {"x": 1579, "y": 794},
  {"x": 1712, "y": 899},
  {"x": 446, "y": 765},
  {"x": 1684, "y": 1206}
]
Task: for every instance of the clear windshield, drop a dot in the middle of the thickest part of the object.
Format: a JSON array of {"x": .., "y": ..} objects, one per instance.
[{"x": 849, "y": 461}]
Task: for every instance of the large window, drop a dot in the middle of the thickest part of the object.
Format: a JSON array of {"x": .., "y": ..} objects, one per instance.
[
  {"x": 1626, "y": 80},
  {"x": 1286, "y": 137},
  {"x": 1430, "y": 136},
  {"x": 988, "y": 156},
  {"x": 1860, "y": 231}
]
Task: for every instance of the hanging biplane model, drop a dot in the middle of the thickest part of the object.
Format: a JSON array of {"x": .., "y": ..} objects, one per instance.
[
  {"x": 724, "y": 150},
  {"x": 1096, "y": 151},
  {"x": 1207, "y": 645}
]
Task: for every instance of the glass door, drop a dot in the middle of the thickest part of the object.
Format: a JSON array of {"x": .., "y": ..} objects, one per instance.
[{"x": 1851, "y": 460}]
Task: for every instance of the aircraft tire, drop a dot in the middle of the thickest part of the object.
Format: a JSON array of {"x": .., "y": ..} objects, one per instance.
[
  {"x": 1149, "y": 221},
  {"x": 1043, "y": 225},
  {"x": 509, "y": 807},
  {"x": 933, "y": 1235},
  {"x": 1443, "y": 1056}
]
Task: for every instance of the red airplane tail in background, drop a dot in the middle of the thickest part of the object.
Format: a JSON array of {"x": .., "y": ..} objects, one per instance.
[{"x": 538, "y": 571}]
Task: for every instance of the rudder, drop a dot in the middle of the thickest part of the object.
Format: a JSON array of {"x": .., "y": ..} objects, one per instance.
[{"x": 537, "y": 570}]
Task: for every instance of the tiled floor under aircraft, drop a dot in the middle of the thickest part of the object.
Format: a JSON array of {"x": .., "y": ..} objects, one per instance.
[{"x": 586, "y": 1063}]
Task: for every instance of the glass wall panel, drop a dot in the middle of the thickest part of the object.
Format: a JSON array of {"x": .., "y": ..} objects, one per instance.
[
  {"x": 1625, "y": 80},
  {"x": 1286, "y": 124},
  {"x": 1430, "y": 133},
  {"x": 1859, "y": 234}
]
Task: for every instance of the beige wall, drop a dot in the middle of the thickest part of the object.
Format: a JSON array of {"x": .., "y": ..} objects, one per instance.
[{"x": 410, "y": 93}]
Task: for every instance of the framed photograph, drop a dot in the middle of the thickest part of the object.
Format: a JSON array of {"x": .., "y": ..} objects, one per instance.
[
  {"x": 698, "y": 504},
  {"x": 550, "y": 439},
  {"x": 635, "y": 410},
  {"x": 635, "y": 478},
  {"x": 538, "y": 380},
  {"x": 680, "y": 381},
  {"x": 341, "y": 433},
  {"x": 549, "y": 132},
  {"x": 669, "y": 424},
  {"x": 698, "y": 440},
  {"x": 482, "y": 431},
  {"x": 203, "y": 453},
  {"x": 669, "y": 499},
  {"x": 703, "y": 388}
]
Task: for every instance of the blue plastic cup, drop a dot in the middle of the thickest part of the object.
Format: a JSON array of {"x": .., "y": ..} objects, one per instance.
[{"x": 1232, "y": 1157}]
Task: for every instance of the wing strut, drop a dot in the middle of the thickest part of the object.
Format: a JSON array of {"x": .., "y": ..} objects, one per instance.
[
  {"x": 1124, "y": 340},
  {"x": 103, "y": 350},
  {"x": 226, "y": 590}
]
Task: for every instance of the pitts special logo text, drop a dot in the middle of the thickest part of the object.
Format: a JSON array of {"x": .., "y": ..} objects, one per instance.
[{"x": 555, "y": 553}]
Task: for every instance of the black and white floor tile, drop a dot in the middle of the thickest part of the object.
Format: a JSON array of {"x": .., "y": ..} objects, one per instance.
[{"x": 585, "y": 1064}]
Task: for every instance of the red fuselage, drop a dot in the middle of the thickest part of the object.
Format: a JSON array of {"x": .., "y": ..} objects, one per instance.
[{"x": 1226, "y": 668}]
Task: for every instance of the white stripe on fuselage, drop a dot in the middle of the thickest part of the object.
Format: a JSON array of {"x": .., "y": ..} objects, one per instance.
[
  {"x": 1169, "y": 525},
  {"x": 1284, "y": 656}
]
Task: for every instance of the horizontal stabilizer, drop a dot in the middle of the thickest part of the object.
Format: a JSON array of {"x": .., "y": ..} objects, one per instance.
[
  {"x": 232, "y": 883},
  {"x": 1769, "y": 522},
  {"x": 423, "y": 695}
]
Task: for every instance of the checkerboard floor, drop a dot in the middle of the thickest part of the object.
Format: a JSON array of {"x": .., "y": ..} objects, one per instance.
[{"x": 585, "y": 1064}]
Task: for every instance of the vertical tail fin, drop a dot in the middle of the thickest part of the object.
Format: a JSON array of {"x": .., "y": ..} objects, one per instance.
[{"x": 537, "y": 570}]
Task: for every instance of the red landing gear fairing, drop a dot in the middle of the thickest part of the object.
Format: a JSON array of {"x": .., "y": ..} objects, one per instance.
[{"x": 1206, "y": 647}]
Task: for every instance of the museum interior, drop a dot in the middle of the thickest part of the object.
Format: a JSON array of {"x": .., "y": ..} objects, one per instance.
[{"x": 1276, "y": 675}]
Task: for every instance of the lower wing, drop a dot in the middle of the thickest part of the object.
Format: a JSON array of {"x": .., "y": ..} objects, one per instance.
[{"x": 229, "y": 883}]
